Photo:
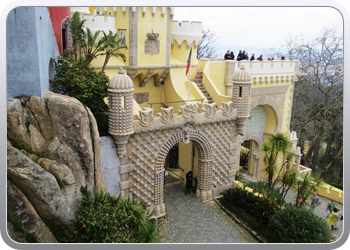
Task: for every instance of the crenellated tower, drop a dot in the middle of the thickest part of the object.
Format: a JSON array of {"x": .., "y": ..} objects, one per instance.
[{"x": 186, "y": 31}]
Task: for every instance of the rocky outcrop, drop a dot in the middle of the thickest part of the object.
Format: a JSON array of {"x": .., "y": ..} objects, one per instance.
[
  {"x": 21, "y": 210},
  {"x": 53, "y": 150}
]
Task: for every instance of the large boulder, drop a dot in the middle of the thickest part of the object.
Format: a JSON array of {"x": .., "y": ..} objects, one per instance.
[
  {"x": 53, "y": 151},
  {"x": 21, "y": 211}
]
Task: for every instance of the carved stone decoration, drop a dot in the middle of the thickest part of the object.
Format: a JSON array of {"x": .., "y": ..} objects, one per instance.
[
  {"x": 167, "y": 115},
  {"x": 240, "y": 125},
  {"x": 132, "y": 73},
  {"x": 152, "y": 36},
  {"x": 146, "y": 117},
  {"x": 152, "y": 44},
  {"x": 189, "y": 110},
  {"x": 162, "y": 77},
  {"x": 227, "y": 108},
  {"x": 121, "y": 141},
  {"x": 210, "y": 110},
  {"x": 186, "y": 135},
  {"x": 147, "y": 77},
  {"x": 141, "y": 97}
]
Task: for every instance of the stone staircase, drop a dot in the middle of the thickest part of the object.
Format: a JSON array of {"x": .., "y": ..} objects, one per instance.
[{"x": 198, "y": 81}]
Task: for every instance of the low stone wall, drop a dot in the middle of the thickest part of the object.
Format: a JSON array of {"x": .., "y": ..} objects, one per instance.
[
  {"x": 331, "y": 193},
  {"x": 325, "y": 190}
]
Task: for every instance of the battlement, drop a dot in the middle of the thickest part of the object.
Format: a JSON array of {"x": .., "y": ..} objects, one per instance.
[
  {"x": 100, "y": 22},
  {"x": 186, "y": 31},
  {"x": 115, "y": 10},
  {"x": 203, "y": 113},
  {"x": 81, "y": 10}
]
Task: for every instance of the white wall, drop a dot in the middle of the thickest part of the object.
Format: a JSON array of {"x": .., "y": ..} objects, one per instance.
[{"x": 110, "y": 165}]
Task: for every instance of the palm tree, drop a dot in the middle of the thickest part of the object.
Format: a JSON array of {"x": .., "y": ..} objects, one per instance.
[
  {"x": 76, "y": 29},
  {"x": 92, "y": 48},
  {"x": 288, "y": 159},
  {"x": 112, "y": 47},
  {"x": 278, "y": 144},
  {"x": 289, "y": 179},
  {"x": 305, "y": 187}
]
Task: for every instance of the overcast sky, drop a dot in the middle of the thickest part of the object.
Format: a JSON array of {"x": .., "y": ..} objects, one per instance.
[{"x": 243, "y": 28}]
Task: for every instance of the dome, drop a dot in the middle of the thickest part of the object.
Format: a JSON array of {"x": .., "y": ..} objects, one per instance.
[
  {"x": 241, "y": 75},
  {"x": 121, "y": 81}
]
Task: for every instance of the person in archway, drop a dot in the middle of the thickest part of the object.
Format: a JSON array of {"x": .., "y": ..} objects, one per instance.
[{"x": 188, "y": 182}]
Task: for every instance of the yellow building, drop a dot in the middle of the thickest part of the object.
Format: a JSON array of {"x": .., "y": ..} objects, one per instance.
[{"x": 230, "y": 102}]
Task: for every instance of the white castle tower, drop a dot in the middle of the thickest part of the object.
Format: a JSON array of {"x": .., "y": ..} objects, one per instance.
[
  {"x": 121, "y": 109},
  {"x": 241, "y": 96}
]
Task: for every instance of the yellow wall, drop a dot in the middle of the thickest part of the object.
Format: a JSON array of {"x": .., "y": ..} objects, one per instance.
[
  {"x": 176, "y": 88},
  {"x": 155, "y": 93},
  {"x": 330, "y": 192},
  {"x": 145, "y": 25},
  {"x": 216, "y": 72},
  {"x": 287, "y": 109},
  {"x": 271, "y": 119},
  {"x": 185, "y": 158},
  {"x": 209, "y": 83}
]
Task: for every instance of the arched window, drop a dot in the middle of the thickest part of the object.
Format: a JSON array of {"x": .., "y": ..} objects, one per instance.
[{"x": 65, "y": 33}]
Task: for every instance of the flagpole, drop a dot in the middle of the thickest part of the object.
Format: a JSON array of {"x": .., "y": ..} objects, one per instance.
[{"x": 189, "y": 80}]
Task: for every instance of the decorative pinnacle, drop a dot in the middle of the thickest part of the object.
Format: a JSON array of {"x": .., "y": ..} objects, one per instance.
[{"x": 121, "y": 71}]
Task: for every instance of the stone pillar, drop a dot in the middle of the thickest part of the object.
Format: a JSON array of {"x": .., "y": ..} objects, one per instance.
[
  {"x": 204, "y": 185},
  {"x": 256, "y": 157},
  {"x": 133, "y": 24}
]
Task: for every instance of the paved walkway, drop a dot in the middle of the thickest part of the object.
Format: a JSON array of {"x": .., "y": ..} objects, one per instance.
[{"x": 192, "y": 221}]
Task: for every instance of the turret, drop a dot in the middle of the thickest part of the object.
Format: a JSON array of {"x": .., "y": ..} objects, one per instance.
[
  {"x": 241, "y": 96},
  {"x": 120, "y": 117}
]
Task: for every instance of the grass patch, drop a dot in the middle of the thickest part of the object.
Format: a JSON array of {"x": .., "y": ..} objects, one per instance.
[{"x": 249, "y": 220}]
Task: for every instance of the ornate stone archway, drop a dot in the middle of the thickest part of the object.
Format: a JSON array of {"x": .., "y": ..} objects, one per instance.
[
  {"x": 277, "y": 109},
  {"x": 256, "y": 155},
  {"x": 205, "y": 153}
]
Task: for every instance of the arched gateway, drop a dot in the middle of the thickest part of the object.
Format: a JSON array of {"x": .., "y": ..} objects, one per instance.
[
  {"x": 144, "y": 141},
  {"x": 205, "y": 152}
]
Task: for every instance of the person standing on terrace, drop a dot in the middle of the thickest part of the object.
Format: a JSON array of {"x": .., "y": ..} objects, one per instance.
[
  {"x": 232, "y": 56},
  {"x": 239, "y": 56},
  {"x": 227, "y": 55}
]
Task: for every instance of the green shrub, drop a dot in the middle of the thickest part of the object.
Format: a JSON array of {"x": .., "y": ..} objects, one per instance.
[
  {"x": 77, "y": 79},
  {"x": 262, "y": 187},
  {"x": 299, "y": 225},
  {"x": 107, "y": 219},
  {"x": 261, "y": 207}
]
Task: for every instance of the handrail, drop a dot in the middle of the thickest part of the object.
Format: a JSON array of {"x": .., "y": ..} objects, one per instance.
[
  {"x": 151, "y": 103},
  {"x": 175, "y": 173}
]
